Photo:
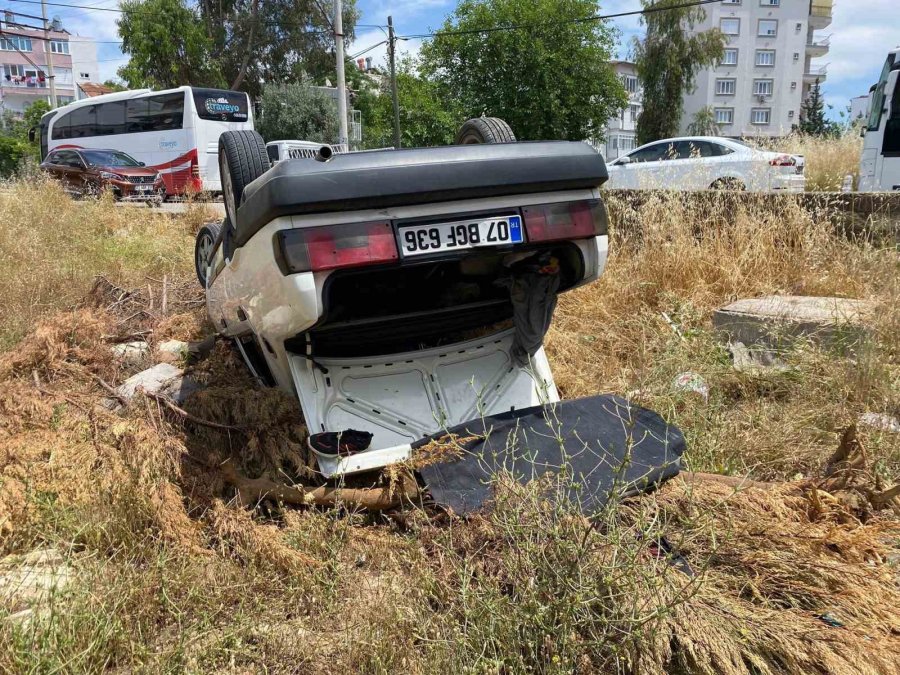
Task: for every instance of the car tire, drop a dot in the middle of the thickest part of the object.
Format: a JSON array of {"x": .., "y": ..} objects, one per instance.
[
  {"x": 485, "y": 130},
  {"x": 728, "y": 184},
  {"x": 242, "y": 159},
  {"x": 204, "y": 247}
]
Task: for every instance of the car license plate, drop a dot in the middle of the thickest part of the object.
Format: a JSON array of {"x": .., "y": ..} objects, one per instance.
[
  {"x": 143, "y": 188},
  {"x": 439, "y": 237}
]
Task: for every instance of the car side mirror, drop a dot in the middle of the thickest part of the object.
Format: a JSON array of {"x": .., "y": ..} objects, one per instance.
[
  {"x": 31, "y": 135},
  {"x": 625, "y": 160},
  {"x": 142, "y": 163}
]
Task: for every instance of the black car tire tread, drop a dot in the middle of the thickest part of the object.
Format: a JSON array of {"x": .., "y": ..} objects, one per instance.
[
  {"x": 214, "y": 230},
  {"x": 485, "y": 130},
  {"x": 247, "y": 158}
]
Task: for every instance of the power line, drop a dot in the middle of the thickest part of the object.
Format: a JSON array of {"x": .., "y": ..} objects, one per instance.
[
  {"x": 368, "y": 49},
  {"x": 586, "y": 19}
]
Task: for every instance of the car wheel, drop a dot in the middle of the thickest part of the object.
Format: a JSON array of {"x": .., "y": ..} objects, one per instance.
[
  {"x": 485, "y": 130},
  {"x": 242, "y": 159},
  {"x": 727, "y": 184},
  {"x": 204, "y": 247}
]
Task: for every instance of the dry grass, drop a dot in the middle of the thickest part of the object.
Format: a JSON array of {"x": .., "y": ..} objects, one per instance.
[
  {"x": 51, "y": 247},
  {"x": 828, "y": 160},
  {"x": 171, "y": 575}
]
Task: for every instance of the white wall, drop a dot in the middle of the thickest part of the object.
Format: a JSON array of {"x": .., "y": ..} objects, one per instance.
[{"x": 788, "y": 90}]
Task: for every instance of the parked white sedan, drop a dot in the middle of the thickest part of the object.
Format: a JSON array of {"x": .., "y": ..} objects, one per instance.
[{"x": 704, "y": 163}]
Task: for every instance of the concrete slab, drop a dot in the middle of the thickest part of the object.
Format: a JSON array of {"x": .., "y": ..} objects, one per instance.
[{"x": 769, "y": 320}]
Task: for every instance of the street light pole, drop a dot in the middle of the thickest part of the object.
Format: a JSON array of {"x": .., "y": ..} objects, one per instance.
[
  {"x": 344, "y": 136},
  {"x": 49, "y": 52}
]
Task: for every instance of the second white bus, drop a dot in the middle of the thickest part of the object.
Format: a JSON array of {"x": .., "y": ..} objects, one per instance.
[
  {"x": 879, "y": 169},
  {"x": 175, "y": 131}
]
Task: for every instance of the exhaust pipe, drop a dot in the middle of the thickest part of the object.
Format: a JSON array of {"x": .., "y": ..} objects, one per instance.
[{"x": 324, "y": 154}]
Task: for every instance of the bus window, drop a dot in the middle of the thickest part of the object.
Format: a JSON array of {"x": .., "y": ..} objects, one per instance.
[
  {"x": 154, "y": 113},
  {"x": 110, "y": 118},
  {"x": 891, "y": 145},
  {"x": 165, "y": 112},
  {"x": 82, "y": 121},
  {"x": 220, "y": 105},
  {"x": 61, "y": 127},
  {"x": 877, "y": 101}
]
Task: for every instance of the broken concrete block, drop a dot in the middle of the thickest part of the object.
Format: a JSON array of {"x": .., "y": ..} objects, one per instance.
[
  {"x": 32, "y": 577},
  {"x": 163, "y": 379},
  {"x": 746, "y": 360},
  {"x": 131, "y": 353},
  {"x": 172, "y": 351},
  {"x": 880, "y": 422},
  {"x": 769, "y": 320}
]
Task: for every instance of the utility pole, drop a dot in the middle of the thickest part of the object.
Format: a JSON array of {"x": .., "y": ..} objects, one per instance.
[
  {"x": 344, "y": 136},
  {"x": 49, "y": 53},
  {"x": 392, "y": 45}
]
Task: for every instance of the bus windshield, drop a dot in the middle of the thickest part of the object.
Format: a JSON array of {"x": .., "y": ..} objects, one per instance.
[
  {"x": 108, "y": 158},
  {"x": 221, "y": 105}
]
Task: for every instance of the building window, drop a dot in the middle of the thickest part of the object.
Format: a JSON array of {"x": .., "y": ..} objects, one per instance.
[
  {"x": 630, "y": 82},
  {"x": 768, "y": 27},
  {"x": 634, "y": 111},
  {"x": 765, "y": 57},
  {"x": 729, "y": 58},
  {"x": 730, "y": 26},
  {"x": 15, "y": 44},
  {"x": 760, "y": 116},
  {"x": 724, "y": 115},
  {"x": 63, "y": 100},
  {"x": 726, "y": 86},
  {"x": 59, "y": 46},
  {"x": 731, "y": 2},
  {"x": 769, "y": 3},
  {"x": 13, "y": 70},
  {"x": 84, "y": 76},
  {"x": 763, "y": 87}
]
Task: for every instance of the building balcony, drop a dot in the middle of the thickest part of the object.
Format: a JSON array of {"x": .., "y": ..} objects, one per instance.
[
  {"x": 818, "y": 46},
  {"x": 820, "y": 12},
  {"x": 814, "y": 73}
]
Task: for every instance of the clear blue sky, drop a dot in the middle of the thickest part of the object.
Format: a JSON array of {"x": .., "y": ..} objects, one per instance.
[{"x": 862, "y": 33}]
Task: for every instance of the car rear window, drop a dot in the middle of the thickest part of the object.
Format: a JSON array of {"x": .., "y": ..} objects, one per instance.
[{"x": 221, "y": 105}]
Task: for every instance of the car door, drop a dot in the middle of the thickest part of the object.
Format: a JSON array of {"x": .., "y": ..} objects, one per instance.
[
  {"x": 638, "y": 172},
  {"x": 700, "y": 161},
  {"x": 54, "y": 167},
  {"x": 66, "y": 169}
]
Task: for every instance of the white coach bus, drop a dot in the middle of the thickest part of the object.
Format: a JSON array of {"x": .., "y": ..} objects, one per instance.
[
  {"x": 879, "y": 169},
  {"x": 175, "y": 131}
]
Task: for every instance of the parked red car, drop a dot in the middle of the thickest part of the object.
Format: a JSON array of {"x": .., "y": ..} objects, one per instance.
[{"x": 88, "y": 172}]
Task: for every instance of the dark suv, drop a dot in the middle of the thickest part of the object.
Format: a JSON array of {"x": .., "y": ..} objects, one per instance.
[{"x": 86, "y": 172}]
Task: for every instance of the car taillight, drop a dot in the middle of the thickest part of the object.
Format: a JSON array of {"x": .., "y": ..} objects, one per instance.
[
  {"x": 195, "y": 168},
  {"x": 783, "y": 160},
  {"x": 333, "y": 246},
  {"x": 565, "y": 220}
]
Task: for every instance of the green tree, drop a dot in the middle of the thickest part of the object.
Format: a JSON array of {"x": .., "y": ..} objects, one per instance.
[
  {"x": 550, "y": 77},
  {"x": 668, "y": 59},
  {"x": 704, "y": 123},
  {"x": 425, "y": 118},
  {"x": 167, "y": 45},
  {"x": 238, "y": 44},
  {"x": 13, "y": 151},
  {"x": 297, "y": 112},
  {"x": 812, "y": 116}
]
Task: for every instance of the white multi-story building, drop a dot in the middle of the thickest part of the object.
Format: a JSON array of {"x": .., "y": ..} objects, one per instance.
[
  {"x": 766, "y": 73},
  {"x": 621, "y": 130},
  {"x": 24, "y": 71}
]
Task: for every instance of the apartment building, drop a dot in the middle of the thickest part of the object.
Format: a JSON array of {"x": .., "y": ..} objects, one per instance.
[
  {"x": 768, "y": 69},
  {"x": 621, "y": 131},
  {"x": 23, "y": 63}
]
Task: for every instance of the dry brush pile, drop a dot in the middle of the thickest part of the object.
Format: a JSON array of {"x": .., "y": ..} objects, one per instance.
[{"x": 170, "y": 572}]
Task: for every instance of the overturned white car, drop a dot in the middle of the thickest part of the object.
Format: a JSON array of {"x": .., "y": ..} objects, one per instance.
[{"x": 401, "y": 292}]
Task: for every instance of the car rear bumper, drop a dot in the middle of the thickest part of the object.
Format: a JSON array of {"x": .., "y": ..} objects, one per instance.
[{"x": 790, "y": 183}]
